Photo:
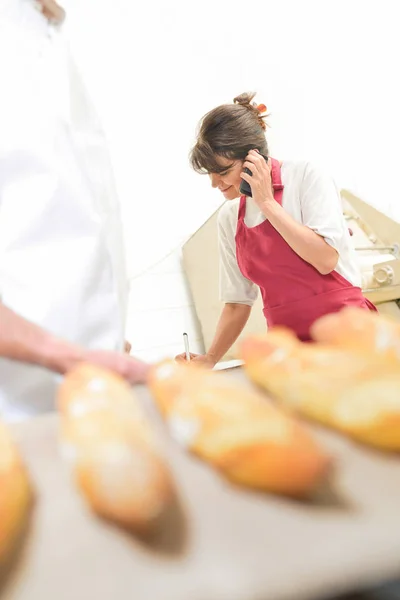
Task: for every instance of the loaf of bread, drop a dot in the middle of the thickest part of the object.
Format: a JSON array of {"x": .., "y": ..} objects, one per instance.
[
  {"x": 237, "y": 431},
  {"x": 350, "y": 385},
  {"x": 15, "y": 496},
  {"x": 112, "y": 448},
  {"x": 360, "y": 330}
]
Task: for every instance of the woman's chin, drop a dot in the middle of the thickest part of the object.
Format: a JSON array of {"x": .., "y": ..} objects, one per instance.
[{"x": 231, "y": 194}]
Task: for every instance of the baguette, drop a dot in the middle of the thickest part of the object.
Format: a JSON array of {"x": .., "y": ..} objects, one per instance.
[
  {"x": 360, "y": 330},
  {"x": 237, "y": 431},
  {"x": 349, "y": 386},
  {"x": 15, "y": 496},
  {"x": 111, "y": 446}
]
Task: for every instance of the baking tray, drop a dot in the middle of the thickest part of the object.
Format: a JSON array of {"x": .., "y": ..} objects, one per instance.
[{"x": 221, "y": 543}]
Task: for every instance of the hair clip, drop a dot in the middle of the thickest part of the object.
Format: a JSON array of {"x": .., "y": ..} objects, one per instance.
[{"x": 261, "y": 108}]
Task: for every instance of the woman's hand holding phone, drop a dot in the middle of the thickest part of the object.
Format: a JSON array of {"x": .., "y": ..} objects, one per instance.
[{"x": 260, "y": 178}]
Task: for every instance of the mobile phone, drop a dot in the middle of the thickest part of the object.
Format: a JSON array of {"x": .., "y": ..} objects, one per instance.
[{"x": 245, "y": 188}]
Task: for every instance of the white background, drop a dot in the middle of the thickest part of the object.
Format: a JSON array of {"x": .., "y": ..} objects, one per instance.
[{"x": 327, "y": 70}]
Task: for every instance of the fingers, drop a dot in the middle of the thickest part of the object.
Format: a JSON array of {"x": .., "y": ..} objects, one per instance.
[
  {"x": 182, "y": 357},
  {"x": 131, "y": 369},
  {"x": 255, "y": 169},
  {"x": 248, "y": 165},
  {"x": 52, "y": 10},
  {"x": 257, "y": 165},
  {"x": 254, "y": 160},
  {"x": 247, "y": 177},
  {"x": 137, "y": 371}
]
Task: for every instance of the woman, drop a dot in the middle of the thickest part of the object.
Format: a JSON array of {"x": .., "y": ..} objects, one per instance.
[{"x": 289, "y": 239}]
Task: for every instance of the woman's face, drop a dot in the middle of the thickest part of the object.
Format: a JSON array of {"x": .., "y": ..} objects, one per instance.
[{"x": 228, "y": 182}]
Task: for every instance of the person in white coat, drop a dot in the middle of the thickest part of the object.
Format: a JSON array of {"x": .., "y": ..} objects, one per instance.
[{"x": 63, "y": 287}]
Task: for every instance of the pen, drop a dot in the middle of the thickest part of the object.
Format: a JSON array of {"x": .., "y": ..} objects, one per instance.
[{"x": 186, "y": 343}]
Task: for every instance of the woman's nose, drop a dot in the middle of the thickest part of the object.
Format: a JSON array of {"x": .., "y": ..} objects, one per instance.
[{"x": 215, "y": 179}]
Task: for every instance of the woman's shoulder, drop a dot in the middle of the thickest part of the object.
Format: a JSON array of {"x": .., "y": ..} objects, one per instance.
[{"x": 300, "y": 170}]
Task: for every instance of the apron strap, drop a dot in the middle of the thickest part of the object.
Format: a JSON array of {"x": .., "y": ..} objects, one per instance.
[
  {"x": 242, "y": 208},
  {"x": 276, "y": 174},
  {"x": 276, "y": 180}
]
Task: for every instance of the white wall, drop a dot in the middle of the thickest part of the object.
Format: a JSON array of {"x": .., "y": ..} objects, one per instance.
[
  {"x": 160, "y": 310},
  {"x": 327, "y": 71}
]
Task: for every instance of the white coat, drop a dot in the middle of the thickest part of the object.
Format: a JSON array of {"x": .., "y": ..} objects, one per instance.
[{"x": 61, "y": 243}]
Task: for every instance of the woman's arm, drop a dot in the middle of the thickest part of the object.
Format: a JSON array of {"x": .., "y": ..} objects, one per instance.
[
  {"x": 23, "y": 341},
  {"x": 308, "y": 244},
  {"x": 236, "y": 292},
  {"x": 230, "y": 325}
]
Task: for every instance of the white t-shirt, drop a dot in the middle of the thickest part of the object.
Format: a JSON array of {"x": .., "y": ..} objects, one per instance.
[{"x": 312, "y": 199}]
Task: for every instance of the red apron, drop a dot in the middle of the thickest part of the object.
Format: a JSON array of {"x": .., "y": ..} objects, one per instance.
[{"x": 294, "y": 293}]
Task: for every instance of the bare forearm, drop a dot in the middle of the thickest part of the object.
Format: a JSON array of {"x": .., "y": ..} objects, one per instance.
[
  {"x": 230, "y": 325},
  {"x": 24, "y": 341},
  {"x": 310, "y": 246}
]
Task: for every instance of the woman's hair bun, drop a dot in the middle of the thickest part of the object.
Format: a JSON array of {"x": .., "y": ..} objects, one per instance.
[{"x": 246, "y": 100}]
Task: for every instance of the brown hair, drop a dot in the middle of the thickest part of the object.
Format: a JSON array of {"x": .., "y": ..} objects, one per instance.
[{"x": 231, "y": 131}]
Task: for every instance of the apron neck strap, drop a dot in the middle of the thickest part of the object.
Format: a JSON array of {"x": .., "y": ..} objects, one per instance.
[
  {"x": 276, "y": 175},
  {"x": 242, "y": 207},
  {"x": 276, "y": 179}
]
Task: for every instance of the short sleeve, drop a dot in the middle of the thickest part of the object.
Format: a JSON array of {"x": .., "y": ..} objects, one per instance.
[{"x": 321, "y": 207}]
